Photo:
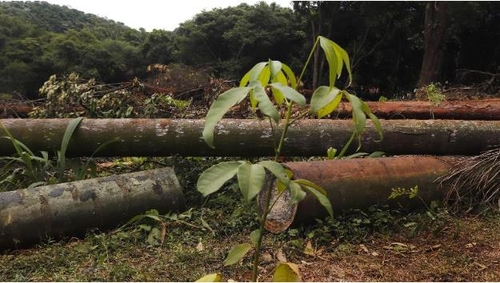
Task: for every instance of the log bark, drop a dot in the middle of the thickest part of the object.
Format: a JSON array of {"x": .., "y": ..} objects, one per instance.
[
  {"x": 69, "y": 209},
  {"x": 358, "y": 183},
  {"x": 250, "y": 137},
  {"x": 485, "y": 109}
]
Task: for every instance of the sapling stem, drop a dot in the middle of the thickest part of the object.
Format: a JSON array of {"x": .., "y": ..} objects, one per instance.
[{"x": 267, "y": 207}]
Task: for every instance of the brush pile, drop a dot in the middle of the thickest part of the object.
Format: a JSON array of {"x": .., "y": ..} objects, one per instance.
[{"x": 474, "y": 183}]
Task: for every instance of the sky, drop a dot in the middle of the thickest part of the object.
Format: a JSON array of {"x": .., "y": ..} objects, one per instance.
[{"x": 153, "y": 14}]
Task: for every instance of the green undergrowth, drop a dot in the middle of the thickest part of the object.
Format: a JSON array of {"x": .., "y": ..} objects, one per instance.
[{"x": 185, "y": 246}]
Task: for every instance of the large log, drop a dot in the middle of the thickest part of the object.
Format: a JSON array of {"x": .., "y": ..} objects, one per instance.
[
  {"x": 484, "y": 109},
  {"x": 250, "y": 137},
  {"x": 69, "y": 209},
  {"x": 480, "y": 109},
  {"x": 358, "y": 183}
]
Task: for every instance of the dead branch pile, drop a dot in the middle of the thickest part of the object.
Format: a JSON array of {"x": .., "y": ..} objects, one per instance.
[{"x": 474, "y": 183}]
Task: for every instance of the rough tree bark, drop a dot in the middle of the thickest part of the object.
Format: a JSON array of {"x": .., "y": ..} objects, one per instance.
[
  {"x": 359, "y": 183},
  {"x": 434, "y": 36},
  {"x": 69, "y": 209},
  {"x": 250, "y": 137}
]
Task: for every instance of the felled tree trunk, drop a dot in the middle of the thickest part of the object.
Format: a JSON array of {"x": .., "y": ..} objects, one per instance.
[
  {"x": 358, "y": 183},
  {"x": 484, "y": 109},
  {"x": 69, "y": 209},
  {"x": 250, "y": 137}
]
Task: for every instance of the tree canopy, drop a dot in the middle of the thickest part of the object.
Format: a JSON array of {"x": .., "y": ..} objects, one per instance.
[{"x": 385, "y": 40}]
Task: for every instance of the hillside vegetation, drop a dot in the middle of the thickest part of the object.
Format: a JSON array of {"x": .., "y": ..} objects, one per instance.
[{"x": 386, "y": 41}]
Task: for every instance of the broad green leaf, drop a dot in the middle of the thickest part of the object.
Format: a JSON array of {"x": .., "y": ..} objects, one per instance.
[
  {"x": 237, "y": 253},
  {"x": 280, "y": 78},
  {"x": 358, "y": 115},
  {"x": 280, "y": 186},
  {"x": 378, "y": 126},
  {"x": 304, "y": 182},
  {"x": 277, "y": 170},
  {"x": 345, "y": 58},
  {"x": 375, "y": 120},
  {"x": 253, "y": 100},
  {"x": 323, "y": 200},
  {"x": 289, "y": 93},
  {"x": 286, "y": 272},
  {"x": 254, "y": 237},
  {"x": 336, "y": 57},
  {"x": 265, "y": 75},
  {"x": 251, "y": 178},
  {"x": 223, "y": 103},
  {"x": 214, "y": 177},
  {"x": 275, "y": 67},
  {"x": 296, "y": 192},
  {"x": 245, "y": 79},
  {"x": 265, "y": 104},
  {"x": 324, "y": 100},
  {"x": 253, "y": 74},
  {"x": 214, "y": 277},
  {"x": 290, "y": 75},
  {"x": 331, "y": 58}
]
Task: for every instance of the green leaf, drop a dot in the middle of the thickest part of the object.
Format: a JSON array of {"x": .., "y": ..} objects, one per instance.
[
  {"x": 325, "y": 100},
  {"x": 331, "y": 152},
  {"x": 223, "y": 103},
  {"x": 289, "y": 93},
  {"x": 358, "y": 115},
  {"x": 237, "y": 253},
  {"x": 253, "y": 100},
  {"x": 345, "y": 58},
  {"x": 212, "y": 179},
  {"x": 291, "y": 76},
  {"x": 280, "y": 78},
  {"x": 214, "y": 277},
  {"x": 296, "y": 192},
  {"x": 331, "y": 58},
  {"x": 286, "y": 272},
  {"x": 275, "y": 67},
  {"x": 251, "y": 179},
  {"x": 322, "y": 198},
  {"x": 336, "y": 57},
  {"x": 265, "y": 104},
  {"x": 254, "y": 237},
  {"x": 375, "y": 120},
  {"x": 70, "y": 129},
  {"x": 253, "y": 74},
  {"x": 277, "y": 170},
  {"x": 304, "y": 182}
]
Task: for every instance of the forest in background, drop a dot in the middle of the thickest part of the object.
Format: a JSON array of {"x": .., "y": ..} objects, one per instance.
[{"x": 394, "y": 46}]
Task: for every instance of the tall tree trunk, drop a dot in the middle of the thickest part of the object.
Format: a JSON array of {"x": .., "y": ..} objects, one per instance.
[{"x": 434, "y": 38}]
